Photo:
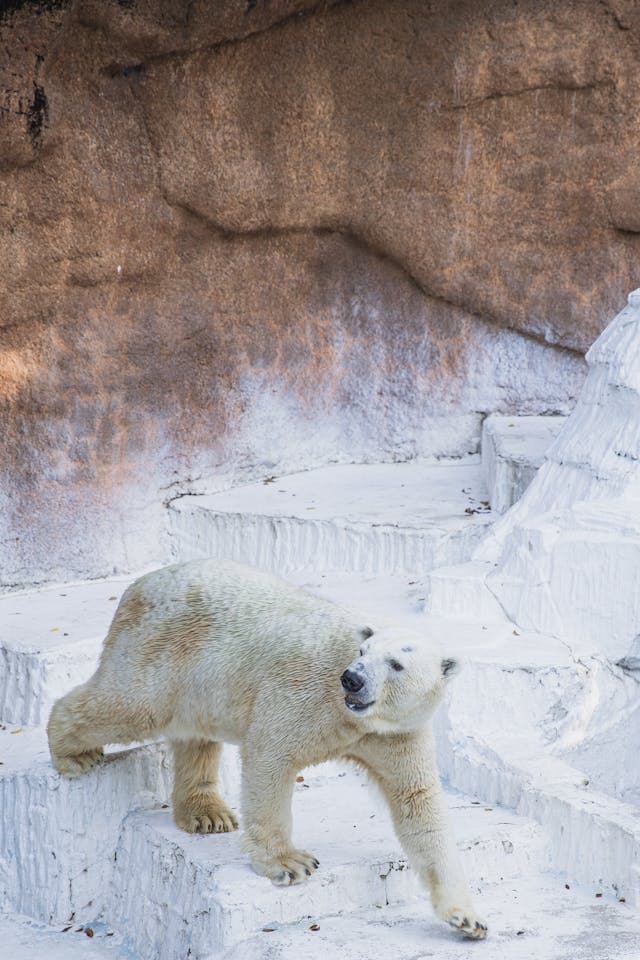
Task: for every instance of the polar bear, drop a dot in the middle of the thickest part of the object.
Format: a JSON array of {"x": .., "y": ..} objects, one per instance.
[{"x": 215, "y": 651}]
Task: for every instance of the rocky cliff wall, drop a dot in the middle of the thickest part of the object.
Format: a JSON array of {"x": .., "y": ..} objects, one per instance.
[{"x": 244, "y": 237}]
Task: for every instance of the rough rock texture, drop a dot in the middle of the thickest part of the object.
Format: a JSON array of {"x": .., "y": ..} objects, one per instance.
[{"x": 245, "y": 237}]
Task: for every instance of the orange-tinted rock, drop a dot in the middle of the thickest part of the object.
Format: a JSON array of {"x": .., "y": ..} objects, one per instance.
[{"x": 249, "y": 237}]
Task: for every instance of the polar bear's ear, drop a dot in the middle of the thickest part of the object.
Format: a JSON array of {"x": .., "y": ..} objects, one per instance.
[{"x": 450, "y": 667}]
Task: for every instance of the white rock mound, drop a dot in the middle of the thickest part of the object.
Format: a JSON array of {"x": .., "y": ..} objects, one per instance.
[{"x": 568, "y": 554}]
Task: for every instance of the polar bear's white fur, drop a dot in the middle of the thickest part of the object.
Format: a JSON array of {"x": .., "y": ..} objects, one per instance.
[{"x": 210, "y": 652}]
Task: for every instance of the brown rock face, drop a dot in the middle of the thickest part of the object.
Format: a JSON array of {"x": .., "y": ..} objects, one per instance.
[{"x": 247, "y": 237}]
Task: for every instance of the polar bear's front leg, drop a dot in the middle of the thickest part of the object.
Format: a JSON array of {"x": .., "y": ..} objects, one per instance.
[
  {"x": 267, "y": 789},
  {"x": 405, "y": 768}
]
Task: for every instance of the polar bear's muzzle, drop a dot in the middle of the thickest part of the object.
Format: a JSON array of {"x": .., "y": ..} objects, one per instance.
[{"x": 355, "y": 687}]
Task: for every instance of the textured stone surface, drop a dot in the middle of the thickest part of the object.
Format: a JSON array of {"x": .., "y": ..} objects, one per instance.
[{"x": 247, "y": 237}]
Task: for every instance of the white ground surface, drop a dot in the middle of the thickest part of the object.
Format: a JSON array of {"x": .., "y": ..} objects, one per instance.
[{"x": 25, "y": 939}]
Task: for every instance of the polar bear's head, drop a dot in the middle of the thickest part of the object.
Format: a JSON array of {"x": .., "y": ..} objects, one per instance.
[{"x": 397, "y": 680}]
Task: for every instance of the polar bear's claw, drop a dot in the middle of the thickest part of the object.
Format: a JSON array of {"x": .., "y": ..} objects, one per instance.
[
  {"x": 214, "y": 818},
  {"x": 468, "y": 925},
  {"x": 294, "y": 866}
]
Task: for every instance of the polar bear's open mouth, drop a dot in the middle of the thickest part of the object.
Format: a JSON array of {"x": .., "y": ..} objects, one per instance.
[{"x": 357, "y": 705}]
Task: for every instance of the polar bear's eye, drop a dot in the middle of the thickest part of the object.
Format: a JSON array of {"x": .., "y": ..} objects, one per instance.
[{"x": 395, "y": 665}]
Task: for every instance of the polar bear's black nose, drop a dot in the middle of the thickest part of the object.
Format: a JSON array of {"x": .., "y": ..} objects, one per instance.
[{"x": 351, "y": 681}]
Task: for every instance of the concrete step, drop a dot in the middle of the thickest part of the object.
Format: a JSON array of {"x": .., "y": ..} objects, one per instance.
[
  {"x": 58, "y": 837},
  {"x": 91, "y": 852},
  {"x": 460, "y": 592},
  {"x": 513, "y": 449},
  {"x": 50, "y": 640},
  {"x": 180, "y": 895},
  {"x": 394, "y": 518},
  {"x": 509, "y": 734},
  {"x": 531, "y": 918},
  {"x": 175, "y": 895}
]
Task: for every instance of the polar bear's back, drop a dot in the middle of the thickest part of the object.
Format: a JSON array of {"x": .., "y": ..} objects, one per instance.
[{"x": 229, "y": 613}]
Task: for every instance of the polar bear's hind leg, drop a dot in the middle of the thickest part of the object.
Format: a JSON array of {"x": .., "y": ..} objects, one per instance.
[{"x": 84, "y": 721}]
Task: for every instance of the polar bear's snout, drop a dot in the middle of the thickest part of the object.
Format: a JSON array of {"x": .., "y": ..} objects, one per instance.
[
  {"x": 352, "y": 679},
  {"x": 357, "y": 687}
]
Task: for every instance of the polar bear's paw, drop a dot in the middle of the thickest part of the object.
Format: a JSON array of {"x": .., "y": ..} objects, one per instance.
[
  {"x": 204, "y": 814},
  {"x": 289, "y": 867},
  {"x": 77, "y": 764},
  {"x": 467, "y": 923}
]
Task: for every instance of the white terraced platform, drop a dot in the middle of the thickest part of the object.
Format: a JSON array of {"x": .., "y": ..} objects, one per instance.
[
  {"x": 167, "y": 895},
  {"x": 390, "y": 518},
  {"x": 568, "y": 554},
  {"x": 58, "y": 836},
  {"x": 341, "y": 820},
  {"x": 50, "y": 640}
]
